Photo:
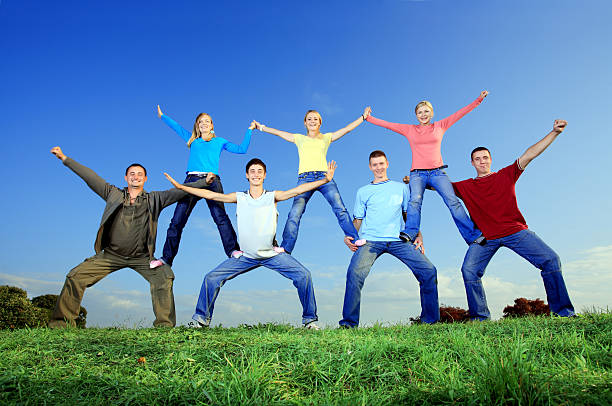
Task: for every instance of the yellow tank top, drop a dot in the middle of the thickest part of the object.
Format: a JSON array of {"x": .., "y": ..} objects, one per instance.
[{"x": 312, "y": 152}]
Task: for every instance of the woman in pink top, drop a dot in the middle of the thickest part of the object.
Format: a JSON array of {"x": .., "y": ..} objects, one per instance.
[{"x": 427, "y": 168}]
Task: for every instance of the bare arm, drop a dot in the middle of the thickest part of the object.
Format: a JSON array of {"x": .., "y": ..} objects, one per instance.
[
  {"x": 281, "y": 195},
  {"x": 283, "y": 134},
  {"x": 539, "y": 147},
  {"x": 343, "y": 131},
  {"x": 206, "y": 194}
]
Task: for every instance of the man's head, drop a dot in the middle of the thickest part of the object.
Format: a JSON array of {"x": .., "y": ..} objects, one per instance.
[
  {"x": 481, "y": 160},
  {"x": 378, "y": 164},
  {"x": 255, "y": 172},
  {"x": 135, "y": 175}
]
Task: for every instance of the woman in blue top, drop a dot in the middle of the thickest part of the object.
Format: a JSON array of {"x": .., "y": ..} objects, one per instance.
[{"x": 205, "y": 150}]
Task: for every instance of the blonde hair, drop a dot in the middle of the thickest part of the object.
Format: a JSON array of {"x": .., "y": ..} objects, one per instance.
[
  {"x": 313, "y": 111},
  {"x": 195, "y": 134},
  {"x": 423, "y": 103}
]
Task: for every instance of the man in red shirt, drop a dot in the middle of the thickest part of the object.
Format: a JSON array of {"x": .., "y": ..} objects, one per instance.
[{"x": 491, "y": 201}]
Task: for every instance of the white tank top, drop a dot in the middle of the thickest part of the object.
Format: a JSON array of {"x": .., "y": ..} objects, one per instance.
[{"x": 256, "y": 219}]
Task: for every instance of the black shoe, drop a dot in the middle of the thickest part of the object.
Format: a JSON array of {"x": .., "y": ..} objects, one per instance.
[
  {"x": 405, "y": 237},
  {"x": 481, "y": 240}
]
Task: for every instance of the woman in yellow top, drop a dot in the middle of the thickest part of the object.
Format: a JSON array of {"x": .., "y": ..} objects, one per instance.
[{"x": 312, "y": 151}]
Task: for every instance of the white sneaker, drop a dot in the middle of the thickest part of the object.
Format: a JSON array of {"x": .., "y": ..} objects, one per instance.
[
  {"x": 156, "y": 263},
  {"x": 311, "y": 326}
]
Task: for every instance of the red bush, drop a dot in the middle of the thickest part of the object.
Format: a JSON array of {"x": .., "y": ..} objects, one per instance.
[{"x": 526, "y": 307}]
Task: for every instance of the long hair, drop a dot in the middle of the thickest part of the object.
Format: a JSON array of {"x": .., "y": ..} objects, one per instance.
[{"x": 195, "y": 134}]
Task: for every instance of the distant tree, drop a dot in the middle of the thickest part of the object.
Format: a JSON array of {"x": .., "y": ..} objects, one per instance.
[
  {"x": 47, "y": 302},
  {"x": 16, "y": 310},
  {"x": 526, "y": 307}
]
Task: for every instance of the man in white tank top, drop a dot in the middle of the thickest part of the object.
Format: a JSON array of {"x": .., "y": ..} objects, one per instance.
[{"x": 257, "y": 217}]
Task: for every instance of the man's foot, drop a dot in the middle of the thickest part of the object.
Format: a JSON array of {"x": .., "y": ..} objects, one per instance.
[
  {"x": 311, "y": 326},
  {"x": 360, "y": 242},
  {"x": 237, "y": 253},
  {"x": 199, "y": 324},
  {"x": 278, "y": 250},
  {"x": 156, "y": 263},
  {"x": 405, "y": 237},
  {"x": 481, "y": 240}
]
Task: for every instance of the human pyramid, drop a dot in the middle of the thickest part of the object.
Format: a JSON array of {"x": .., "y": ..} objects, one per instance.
[{"x": 386, "y": 219}]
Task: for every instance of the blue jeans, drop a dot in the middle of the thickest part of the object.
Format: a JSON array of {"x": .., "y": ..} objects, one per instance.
[
  {"x": 282, "y": 263},
  {"x": 331, "y": 194},
  {"x": 529, "y": 246},
  {"x": 181, "y": 214},
  {"x": 359, "y": 269},
  {"x": 437, "y": 178}
]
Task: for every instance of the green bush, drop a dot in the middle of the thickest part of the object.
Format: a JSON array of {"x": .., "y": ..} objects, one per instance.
[
  {"x": 16, "y": 310},
  {"x": 47, "y": 303}
]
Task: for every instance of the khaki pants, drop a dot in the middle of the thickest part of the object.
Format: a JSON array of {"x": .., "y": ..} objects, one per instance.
[{"x": 100, "y": 265}]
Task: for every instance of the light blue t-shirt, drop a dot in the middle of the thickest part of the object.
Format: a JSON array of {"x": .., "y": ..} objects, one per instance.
[{"x": 380, "y": 206}]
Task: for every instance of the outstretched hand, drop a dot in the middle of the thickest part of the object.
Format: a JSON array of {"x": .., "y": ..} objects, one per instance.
[
  {"x": 253, "y": 125},
  {"x": 57, "y": 151},
  {"x": 159, "y": 112},
  {"x": 366, "y": 112},
  {"x": 331, "y": 168},
  {"x": 559, "y": 125},
  {"x": 349, "y": 243},
  {"x": 174, "y": 183},
  {"x": 257, "y": 124},
  {"x": 484, "y": 94}
]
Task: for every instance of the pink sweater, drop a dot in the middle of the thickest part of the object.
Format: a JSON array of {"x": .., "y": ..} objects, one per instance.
[{"x": 425, "y": 140}]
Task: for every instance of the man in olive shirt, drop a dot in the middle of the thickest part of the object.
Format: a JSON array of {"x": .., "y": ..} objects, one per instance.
[{"x": 125, "y": 239}]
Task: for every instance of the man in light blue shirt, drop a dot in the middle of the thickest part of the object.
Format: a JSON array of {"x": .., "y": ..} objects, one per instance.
[{"x": 380, "y": 208}]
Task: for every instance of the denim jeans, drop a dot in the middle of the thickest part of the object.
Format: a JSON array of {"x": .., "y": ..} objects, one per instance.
[
  {"x": 181, "y": 214},
  {"x": 437, "y": 178},
  {"x": 529, "y": 246},
  {"x": 282, "y": 263},
  {"x": 359, "y": 268},
  {"x": 331, "y": 194}
]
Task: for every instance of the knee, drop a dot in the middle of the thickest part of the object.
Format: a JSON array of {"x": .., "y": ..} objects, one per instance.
[
  {"x": 551, "y": 263},
  {"x": 470, "y": 274}
]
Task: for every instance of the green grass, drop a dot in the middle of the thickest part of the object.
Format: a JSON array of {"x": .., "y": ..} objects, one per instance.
[{"x": 522, "y": 361}]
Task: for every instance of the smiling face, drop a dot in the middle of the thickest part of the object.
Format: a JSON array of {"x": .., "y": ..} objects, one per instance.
[
  {"x": 424, "y": 113},
  {"x": 205, "y": 124},
  {"x": 379, "y": 166},
  {"x": 256, "y": 174},
  {"x": 481, "y": 161},
  {"x": 135, "y": 177},
  {"x": 312, "y": 121}
]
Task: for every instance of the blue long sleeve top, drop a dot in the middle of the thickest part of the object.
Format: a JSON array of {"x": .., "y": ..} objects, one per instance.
[{"x": 204, "y": 155}]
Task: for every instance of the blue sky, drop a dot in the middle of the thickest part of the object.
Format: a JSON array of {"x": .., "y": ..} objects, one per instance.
[{"x": 87, "y": 76}]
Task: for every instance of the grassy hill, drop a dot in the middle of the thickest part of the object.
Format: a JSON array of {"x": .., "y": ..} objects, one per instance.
[{"x": 521, "y": 361}]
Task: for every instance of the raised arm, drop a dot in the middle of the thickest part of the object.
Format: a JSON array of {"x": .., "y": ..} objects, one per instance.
[
  {"x": 206, "y": 194},
  {"x": 453, "y": 118},
  {"x": 283, "y": 134},
  {"x": 184, "y": 134},
  {"x": 96, "y": 183},
  {"x": 397, "y": 127},
  {"x": 343, "y": 131},
  {"x": 539, "y": 147},
  {"x": 244, "y": 146},
  {"x": 281, "y": 195}
]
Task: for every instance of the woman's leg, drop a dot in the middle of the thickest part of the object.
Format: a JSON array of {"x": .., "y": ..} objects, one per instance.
[
  {"x": 292, "y": 225},
  {"x": 441, "y": 182},
  {"x": 179, "y": 219},
  {"x": 332, "y": 195},
  {"x": 418, "y": 181},
  {"x": 221, "y": 219}
]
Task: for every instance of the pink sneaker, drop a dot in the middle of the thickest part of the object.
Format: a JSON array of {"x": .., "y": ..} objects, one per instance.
[
  {"x": 361, "y": 242},
  {"x": 278, "y": 250},
  {"x": 156, "y": 263},
  {"x": 237, "y": 254}
]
